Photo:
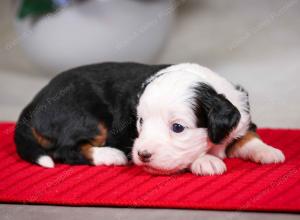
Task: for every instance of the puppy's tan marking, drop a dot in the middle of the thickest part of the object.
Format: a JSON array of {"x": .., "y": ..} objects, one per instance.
[
  {"x": 86, "y": 151},
  {"x": 235, "y": 145},
  {"x": 100, "y": 139},
  {"x": 42, "y": 141}
]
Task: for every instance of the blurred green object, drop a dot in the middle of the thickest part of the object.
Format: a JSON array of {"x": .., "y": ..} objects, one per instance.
[{"x": 35, "y": 8}]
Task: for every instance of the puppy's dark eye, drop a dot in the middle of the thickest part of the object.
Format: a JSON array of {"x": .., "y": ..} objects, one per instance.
[
  {"x": 177, "y": 128},
  {"x": 141, "y": 121}
]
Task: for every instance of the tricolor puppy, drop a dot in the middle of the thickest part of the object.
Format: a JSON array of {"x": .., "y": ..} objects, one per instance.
[{"x": 166, "y": 118}]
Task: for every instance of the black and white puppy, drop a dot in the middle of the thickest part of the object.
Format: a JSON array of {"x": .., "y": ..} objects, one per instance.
[{"x": 166, "y": 118}]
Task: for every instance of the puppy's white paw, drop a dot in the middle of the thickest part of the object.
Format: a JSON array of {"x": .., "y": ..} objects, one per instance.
[
  {"x": 266, "y": 154},
  {"x": 45, "y": 161},
  {"x": 208, "y": 165},
  {"x": 108, "y": 156}
]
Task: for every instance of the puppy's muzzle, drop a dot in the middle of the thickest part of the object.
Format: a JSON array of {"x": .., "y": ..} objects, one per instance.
[{"x": 144, "y": 156}]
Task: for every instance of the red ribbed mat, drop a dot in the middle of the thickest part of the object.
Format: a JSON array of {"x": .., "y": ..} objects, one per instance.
[{"x": 246, "y": 185}]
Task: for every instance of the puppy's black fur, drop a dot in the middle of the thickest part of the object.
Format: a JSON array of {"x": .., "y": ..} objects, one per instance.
[
  {"x": 215, "y": 112},
  {"x": 68, "y": 110}
]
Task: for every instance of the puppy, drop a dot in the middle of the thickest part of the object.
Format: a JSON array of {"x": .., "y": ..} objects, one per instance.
[{"x": 165, "y": 118}]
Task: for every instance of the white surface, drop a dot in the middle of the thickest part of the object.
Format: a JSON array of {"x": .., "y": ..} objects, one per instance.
[{"x": 16, "y": 90}]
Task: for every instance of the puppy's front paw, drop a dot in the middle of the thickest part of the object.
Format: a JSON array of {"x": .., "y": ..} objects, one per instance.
[
  {"x": 208, "y": 165},
  {"x": 266, "y": 154},
  {"x": 108, "y": 156},
  {"x": 257, "y": 151}
]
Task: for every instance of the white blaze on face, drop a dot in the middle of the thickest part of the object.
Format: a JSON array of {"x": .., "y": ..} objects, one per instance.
[{"x": 167, "y": 100}]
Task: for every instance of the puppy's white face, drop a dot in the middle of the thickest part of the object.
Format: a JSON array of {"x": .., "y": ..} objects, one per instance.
[{"x": 169, "y": 140}]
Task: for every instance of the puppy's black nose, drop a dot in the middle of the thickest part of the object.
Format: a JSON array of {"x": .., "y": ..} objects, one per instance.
[{"x": 144, "y": 156}]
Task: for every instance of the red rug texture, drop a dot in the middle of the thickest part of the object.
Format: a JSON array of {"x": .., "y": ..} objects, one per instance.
[{"x": 246, "y": 185}]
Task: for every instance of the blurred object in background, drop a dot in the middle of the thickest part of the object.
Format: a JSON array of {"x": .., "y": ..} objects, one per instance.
[
  {"x": 61, "y": 34},
  {"x": 254, "y": 43}
]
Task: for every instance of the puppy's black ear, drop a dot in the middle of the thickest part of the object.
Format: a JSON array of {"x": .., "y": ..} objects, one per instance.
[{"x": 215, "y": 112}]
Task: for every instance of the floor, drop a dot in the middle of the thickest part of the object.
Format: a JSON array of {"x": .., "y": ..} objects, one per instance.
[
  {"x": 254, "y": 43},
  {"x": 32, "y": 212}
]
